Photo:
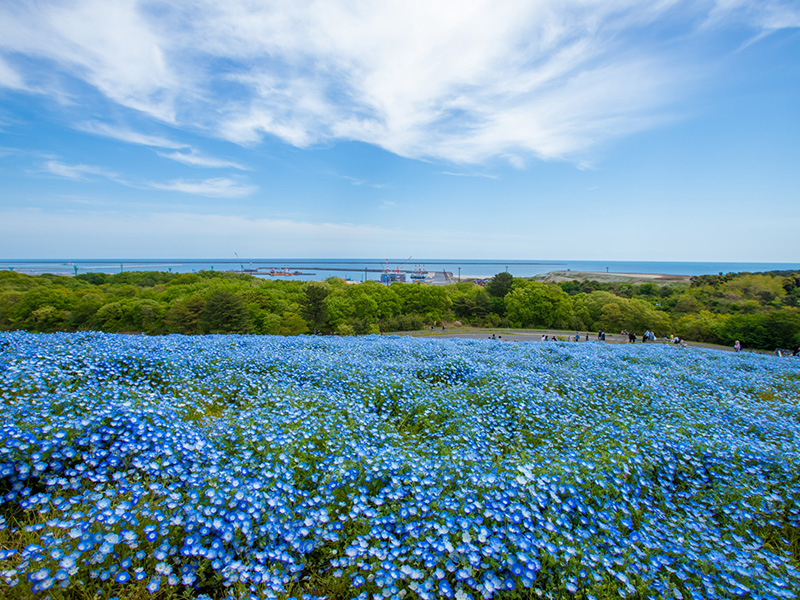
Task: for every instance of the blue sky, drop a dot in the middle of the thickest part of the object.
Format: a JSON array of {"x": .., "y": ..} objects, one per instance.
[{"x": 548, "y": 129}]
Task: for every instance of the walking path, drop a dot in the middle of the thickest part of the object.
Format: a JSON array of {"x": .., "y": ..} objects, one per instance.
[{"x": 533, "y": 335}]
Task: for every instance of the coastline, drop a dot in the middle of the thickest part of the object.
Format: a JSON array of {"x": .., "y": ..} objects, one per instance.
[{"x": 603, "y": 277}]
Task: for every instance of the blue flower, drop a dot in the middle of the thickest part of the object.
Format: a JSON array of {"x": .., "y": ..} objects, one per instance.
[{"x": 122, "y": 577}]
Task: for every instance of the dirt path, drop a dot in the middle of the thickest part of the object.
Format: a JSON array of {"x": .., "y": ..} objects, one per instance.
[{"x": 535, "y": 335}]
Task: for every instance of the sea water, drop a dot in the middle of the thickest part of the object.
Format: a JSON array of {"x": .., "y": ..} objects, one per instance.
[{"x": 361, "y": 269}]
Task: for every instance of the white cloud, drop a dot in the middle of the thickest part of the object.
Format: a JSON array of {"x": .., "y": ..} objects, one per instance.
[
  {"x": 130, "y": 136},
  {"x": 484, "y": 175},
  {"x": 357, "y": 181},
  {"x": 9, "y": 77},
  {"x": 440, "y": 79},
  {"x": 217, "y": 187},
  {"x": 768, "y": 15},
  {"x": 195, "y": 159},
  {"x": 79, "y": 171},
  {"x": 114, "y": 46}
]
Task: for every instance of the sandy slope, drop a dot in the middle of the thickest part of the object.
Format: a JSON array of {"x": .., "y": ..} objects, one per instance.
[{"x": 557, "y": 276}]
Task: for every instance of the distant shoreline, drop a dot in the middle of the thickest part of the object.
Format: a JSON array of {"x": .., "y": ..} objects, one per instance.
[
  {"x": 603, "y": 277},
  {"x": 371, "y": 269},
  {"x": 557, "y": 276}
]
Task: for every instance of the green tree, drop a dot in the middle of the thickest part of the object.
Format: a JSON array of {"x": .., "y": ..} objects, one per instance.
[
  {"x": 315, "y": 303},
  {"x": 473, "y": 303},
  {"x": 47, "y": 319},
  {"x": 292, "y": 324},
  {"x": 148, "y": 315},
  {"x": 589, "y": 308},
  {"x": 500, "y": 285},
  {"x": 702, "y": 327},
  {"x": 633, "y": 315},
  {"x": 84, "y": 310},
  {"x": 9, "y": 301},
  {"x": 431, "y": 301},
  {"x": 183, "y": 315},
  {"x": 112, "y": 317},
  {"x": 753, "y": 286},
  {"x": 224, "y": 312},
  {"x": 535, "y": 304}
]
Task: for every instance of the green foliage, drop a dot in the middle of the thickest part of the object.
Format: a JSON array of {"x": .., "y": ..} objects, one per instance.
[
  {"x": 470, "y": 301},
  {"x": 762, "y": 288},
  {"x": 777, "y": 329},
  {"x": 224, "y": 312},
  {"x": 429, "y": 300},
  {"x": 633, "y": 315},
  {"x": 759, "y": 309},
  {"x": 183, "y": 315},
  {"x": 704, "y": 325},
  {"x": 535, "y": 304},
  {"x": 500, "y": 285},
  {"x": 315, "y": 303}
]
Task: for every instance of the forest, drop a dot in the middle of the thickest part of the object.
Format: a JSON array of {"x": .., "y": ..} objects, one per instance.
[{"x": 762, "y": 310}]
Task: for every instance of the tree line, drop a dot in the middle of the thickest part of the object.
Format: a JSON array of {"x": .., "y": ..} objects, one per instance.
[{"x": 762, "y": 310}]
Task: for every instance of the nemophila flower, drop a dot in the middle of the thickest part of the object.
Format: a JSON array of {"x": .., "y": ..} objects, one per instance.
[
  {"x": 122, "y": 577},
  {"x": 154, "y": 585},
  {"x": 583, "y": 479}
]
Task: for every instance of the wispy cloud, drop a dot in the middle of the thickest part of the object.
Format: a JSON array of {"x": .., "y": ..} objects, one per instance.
[
  {"x": 79, "y": 171},
  {"x": 183, "y": 152},
  {"x": 484, "y": 175},
  {"x": 116, "y": 47},
  {"x": 420, "y": 78},
  {"x": 129, "y": 135},
  {"x": 767, "y": 15},
  {"x": 37, "y": 154},
  {"x": 218, "y": 187},
  {"x": 358, "y": 181},
  {"x": 195, "y": 159},
  {"x": 9, "y": 77}
]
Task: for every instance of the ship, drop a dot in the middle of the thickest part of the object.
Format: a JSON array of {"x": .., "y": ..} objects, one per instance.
[
  {"x": 418, "y": 274},
  {"x": 285, "y": 272}
]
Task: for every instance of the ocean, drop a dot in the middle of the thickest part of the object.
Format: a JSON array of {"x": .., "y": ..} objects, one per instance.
[{"x": 361, "y": 269}]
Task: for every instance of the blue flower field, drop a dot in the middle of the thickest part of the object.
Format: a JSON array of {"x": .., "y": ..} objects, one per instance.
[{"x": 392, "y": 467}]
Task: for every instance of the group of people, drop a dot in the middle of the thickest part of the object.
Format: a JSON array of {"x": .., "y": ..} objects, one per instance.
[
  {"x": 650, "y": 336},
  {"x": 795, "y": 350},
  {"x": 647, "y": 336}
]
